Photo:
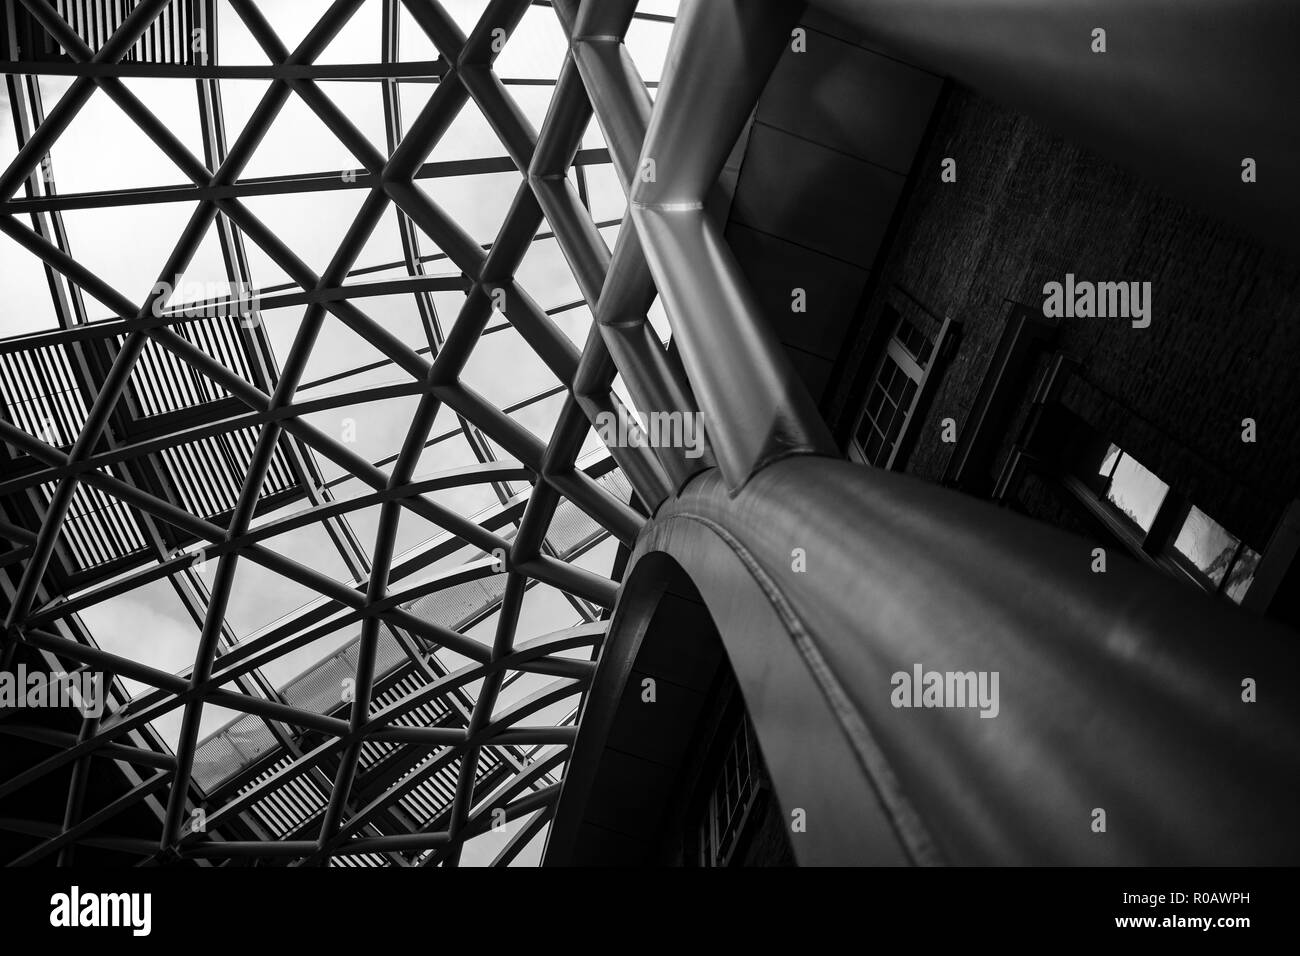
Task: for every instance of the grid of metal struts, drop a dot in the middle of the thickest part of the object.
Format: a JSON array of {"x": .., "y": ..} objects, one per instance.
[{"x": 414, "y": 764}]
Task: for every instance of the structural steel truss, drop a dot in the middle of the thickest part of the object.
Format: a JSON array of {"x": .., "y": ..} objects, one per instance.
[{"x": 494, "y": 767}]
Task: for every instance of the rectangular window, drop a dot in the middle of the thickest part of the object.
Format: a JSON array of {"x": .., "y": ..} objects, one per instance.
[
  {"x": 896, "y": 390},
  {"x": 1134, "y": 490},
  {"x": 729, "y": 805},
  {"x": 1205, "y": 545},
  {"x": 1218, "y": 560},
  {"x": 1168, "y": 530}
]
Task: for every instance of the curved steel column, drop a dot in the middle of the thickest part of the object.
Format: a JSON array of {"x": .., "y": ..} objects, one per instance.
[{"x": 1119, "y": 691}]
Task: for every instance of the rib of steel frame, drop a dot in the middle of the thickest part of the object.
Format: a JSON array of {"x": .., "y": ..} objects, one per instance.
[
  {"x": 28, "y": 112},
  {"x": 390, "y": 53},
  {"x": 621, "y": 520},
  {"x": 615, "y": 90},
  {"x": 518, "y": 658},
  {"x": 132, "y": 845},
  {"x": 755, "y": 406},
  {"x": 495, "y": 26},
  {"x": 405, "y": 69},
  {"x": 58, "y": 738},
  {"x": 354, "y": 290},
  {"x": 377, "y": 588},
  {"x": 270, "y": 185},
  {"x": 363, "y": 470},
  {"x": 341, "y": 836},
  {"x": 74, "y": 748},
  {"x": 275, "y": 638},
  {"x": 635, "y": 349},
  {"x": 561, "y": 452},
  {"x": 519, "y": 661},
  {"x": 118, "y": 728},
  {"x": 71, "y": 835},
  {"x": 360, "y": 147},
  {"x": 653, "y": 381},
  {"x": 506, "y": 253},
  {"x": 291, "y": 771},
  {"x": 273, "y": 643},
  {"x": 77, "y": 789},
  {"x": 16, "y": 534},
  {"x": 379, "y": 804},
  {"x": 507, "y": 621}
]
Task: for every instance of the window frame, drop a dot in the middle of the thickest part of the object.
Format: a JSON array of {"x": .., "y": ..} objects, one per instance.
[
  {"x": 712, "y": 852},
  {"x": 1155, "y": 545},
  {"x": 920, "y": 372}
]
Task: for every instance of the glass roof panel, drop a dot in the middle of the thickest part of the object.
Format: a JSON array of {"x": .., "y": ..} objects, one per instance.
[
  {"x": 126, "y": 246},
  {"x": 28, "y": 306},
  {"x": 536, "y": 49},
  {"x": 82, "y": 165}
]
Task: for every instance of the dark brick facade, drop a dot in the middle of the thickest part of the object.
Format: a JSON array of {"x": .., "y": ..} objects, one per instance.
[{"x": 1028, "y": 206}]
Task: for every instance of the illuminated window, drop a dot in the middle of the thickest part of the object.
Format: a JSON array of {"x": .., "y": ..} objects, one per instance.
[
  {"x": 1134, "y": 490},
  {"x": 1180, "y": 536},
  {"x": 1219, "y": 559}
]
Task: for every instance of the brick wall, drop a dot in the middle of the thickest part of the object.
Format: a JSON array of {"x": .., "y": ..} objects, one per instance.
[{"x": 1028, "y": 207}]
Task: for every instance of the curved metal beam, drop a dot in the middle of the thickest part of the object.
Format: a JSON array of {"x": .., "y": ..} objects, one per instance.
[{"x": 1120, "y": 691}]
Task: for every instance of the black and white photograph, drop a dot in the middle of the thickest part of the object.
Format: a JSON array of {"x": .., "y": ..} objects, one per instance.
[{"x": 632, "y": 435}]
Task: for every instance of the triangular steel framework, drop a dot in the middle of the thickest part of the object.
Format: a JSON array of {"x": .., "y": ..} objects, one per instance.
[{"x": 227, "y": 676}]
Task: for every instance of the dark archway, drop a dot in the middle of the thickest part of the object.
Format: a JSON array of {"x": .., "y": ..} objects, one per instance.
[{"x": 630, "y": 784}]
